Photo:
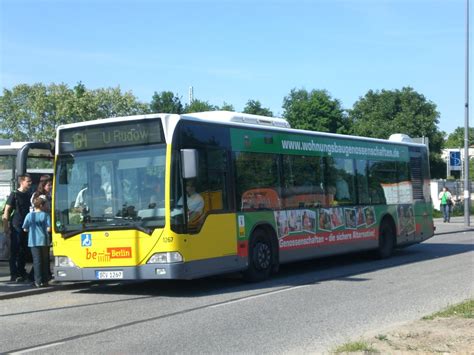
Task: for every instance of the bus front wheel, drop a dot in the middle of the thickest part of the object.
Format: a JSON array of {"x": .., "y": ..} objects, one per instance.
[
  {"x": 386, "y": 241},
  {"x": 261, "y": 257}
]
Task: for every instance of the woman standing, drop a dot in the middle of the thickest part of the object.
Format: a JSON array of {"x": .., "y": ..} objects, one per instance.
[
  {"x": 446, "y": 202},
  {"x": 43, "y": 191}
]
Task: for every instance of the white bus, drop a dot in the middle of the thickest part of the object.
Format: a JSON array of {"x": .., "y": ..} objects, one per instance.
[{"x": 18, "y": 158}]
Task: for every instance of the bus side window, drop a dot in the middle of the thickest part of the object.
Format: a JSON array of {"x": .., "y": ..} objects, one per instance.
[
  {"x": 211, "y": 184},
  {"x": 255, "y": 171},
  {"x": 405, "y": 187},
  {"x": 302, "y": 181},
  {"x": 260, "y": 199},
  {"x": 340, "y": 181},
  {"x": 362, "y": 182},
  {"x": 215, "y": 194},
  {"x": 383, "y": 187}
]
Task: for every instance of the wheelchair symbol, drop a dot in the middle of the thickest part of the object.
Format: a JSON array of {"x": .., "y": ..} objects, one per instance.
[{"x": 86, "y": 240}]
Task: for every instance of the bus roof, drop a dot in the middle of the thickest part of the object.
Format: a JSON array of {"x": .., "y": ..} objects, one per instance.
[
  {"x": 7, "y": 144},
  {"x": 8, "y": 147},
  {"x": 238, "y": 119},
  {"x": 263, "y": 122}
]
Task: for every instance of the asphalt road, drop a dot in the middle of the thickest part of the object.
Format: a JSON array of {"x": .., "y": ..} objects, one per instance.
[{"x": 308, "y": 307}]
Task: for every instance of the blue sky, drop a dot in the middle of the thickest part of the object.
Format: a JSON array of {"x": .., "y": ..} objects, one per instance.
[{"x": 233, "y": 51}]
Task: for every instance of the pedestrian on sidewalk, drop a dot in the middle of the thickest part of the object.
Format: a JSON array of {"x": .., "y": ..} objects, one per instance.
[
  {"x": 446, "y": 202},
  {"x": 38, "y": 225},
  {"x": 16, "y": 209}
]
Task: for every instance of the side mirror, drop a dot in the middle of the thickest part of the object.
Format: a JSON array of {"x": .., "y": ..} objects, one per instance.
[{"x": 190, "y": 163}]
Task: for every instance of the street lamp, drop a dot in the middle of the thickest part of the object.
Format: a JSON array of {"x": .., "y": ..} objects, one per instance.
[{"x": 467, "y": 194}]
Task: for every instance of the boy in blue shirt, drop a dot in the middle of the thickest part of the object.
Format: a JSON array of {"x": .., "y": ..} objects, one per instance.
[{"x": 38, "y": 225}]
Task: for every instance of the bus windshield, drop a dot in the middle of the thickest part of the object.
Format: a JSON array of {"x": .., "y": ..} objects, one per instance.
[{"x": 110, "y": 189}]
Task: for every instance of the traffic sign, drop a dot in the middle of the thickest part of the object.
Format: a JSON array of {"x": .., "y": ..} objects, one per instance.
[{"x": 455, "y": 160}]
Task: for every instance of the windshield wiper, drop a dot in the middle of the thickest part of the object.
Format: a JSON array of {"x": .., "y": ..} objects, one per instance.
[
  {"x": 131, "y": 222},
  {"x": 88, "y": 226}
]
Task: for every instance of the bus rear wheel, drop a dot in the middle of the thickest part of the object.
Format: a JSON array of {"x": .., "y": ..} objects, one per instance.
[
  {"x": 386, "y": 241},
  {"x": 261, "y": 257}
]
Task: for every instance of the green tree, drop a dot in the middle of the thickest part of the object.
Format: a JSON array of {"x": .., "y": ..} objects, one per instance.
[
  {"x": 199, "y": 106},
  {"x": 437, "y": 166},
  {"x": 315, "y": 110},
  {"x": 226, "y": 107},
  {"x": 32, "y": 112},
  {"x": 111, "y": 102},
  {"x": 471, "y": 169},
  {"x": 381, "y": 113},
  {"x": 81, "y": 106},
  {"x": 166, "y": 102},
  {"x": 254, "y": 107},
  {"x": 456, "y": 139}
]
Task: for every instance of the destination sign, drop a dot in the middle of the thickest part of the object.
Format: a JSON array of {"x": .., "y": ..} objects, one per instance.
[{"x": 109, "y": 136}]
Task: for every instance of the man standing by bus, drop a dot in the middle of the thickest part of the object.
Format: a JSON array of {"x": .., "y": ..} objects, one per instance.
[{"x": 16, "y": 209}]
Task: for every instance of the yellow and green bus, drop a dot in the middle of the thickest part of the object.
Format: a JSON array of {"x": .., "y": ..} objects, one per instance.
[{"x": 166, "y": 196}]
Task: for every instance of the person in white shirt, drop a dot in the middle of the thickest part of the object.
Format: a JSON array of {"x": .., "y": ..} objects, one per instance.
[
  {"x": 92, "y": 199},
  {"x": 194, "y": 200}
]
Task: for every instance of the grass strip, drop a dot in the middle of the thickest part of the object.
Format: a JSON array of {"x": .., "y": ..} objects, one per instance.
[
  {"x": 461, "y": 310},
  {"x": 354, "y": 347}
]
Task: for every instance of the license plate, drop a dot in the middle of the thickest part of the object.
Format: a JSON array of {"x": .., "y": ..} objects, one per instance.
[{"x": 109, "y": 275}]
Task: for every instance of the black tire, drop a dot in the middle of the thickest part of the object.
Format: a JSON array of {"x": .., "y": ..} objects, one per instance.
[
  {"x": 261, "y": 257},
  {"x": 386, "y": 241}
]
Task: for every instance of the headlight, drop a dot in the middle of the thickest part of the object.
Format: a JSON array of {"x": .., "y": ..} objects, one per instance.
[
  {"x": 63, "y": 261},
  {"x": 166, "y": 258}
]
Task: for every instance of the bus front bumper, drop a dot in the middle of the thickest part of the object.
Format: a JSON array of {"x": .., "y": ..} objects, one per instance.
[
  {"x": 166, "y": 271},
  {"x": 141, "y": 272}
]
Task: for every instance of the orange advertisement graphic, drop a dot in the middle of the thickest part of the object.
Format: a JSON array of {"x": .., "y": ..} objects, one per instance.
[{"x": 120, "y": 253}]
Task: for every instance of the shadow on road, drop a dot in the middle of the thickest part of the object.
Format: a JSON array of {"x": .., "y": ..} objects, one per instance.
[
  {"x": 343, "y": 267},
  {"x": 454, "y": 232},
  {"x": 346, "y": 268}
]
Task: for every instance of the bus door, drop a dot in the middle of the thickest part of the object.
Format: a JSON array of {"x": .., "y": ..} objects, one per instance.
[{"x": 35, "y": 159}]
